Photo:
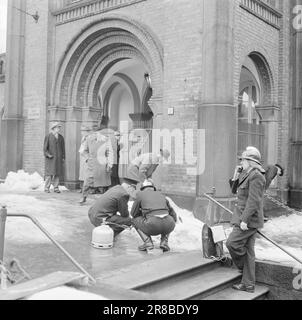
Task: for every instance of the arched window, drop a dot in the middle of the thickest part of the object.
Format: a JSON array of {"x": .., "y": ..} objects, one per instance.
[
  {"x": 250, "y": 129},
  {"x": 1, "y": 67}
]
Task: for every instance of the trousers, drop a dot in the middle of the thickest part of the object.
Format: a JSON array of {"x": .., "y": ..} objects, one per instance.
[
  {"x": 55, "y": 180},
  {"x": 241, "y": 245}
]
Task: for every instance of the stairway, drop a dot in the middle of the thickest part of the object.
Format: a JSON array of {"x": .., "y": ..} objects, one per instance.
[{"x": 182, "y": 276}]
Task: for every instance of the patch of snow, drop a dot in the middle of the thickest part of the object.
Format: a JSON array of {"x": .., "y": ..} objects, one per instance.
[
  {"x": 187, "y": 233},
  {"x": 22, "y": 181},
  {"x": 48, "y": 214},
  {"x": 61, "y": 218},
  {"x": 65, "y": 293}
]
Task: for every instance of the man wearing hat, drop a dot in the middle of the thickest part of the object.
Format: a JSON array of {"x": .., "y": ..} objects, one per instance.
[
  {"x": 248, "y": 216},
  {"x": 85, "y": 131},
  {"x": 153, "y": 215},
  {"x": 143, "y": 166},
  {"x": 54, "y": 153}
]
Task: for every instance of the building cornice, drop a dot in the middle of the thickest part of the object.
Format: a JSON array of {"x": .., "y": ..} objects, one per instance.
[
  {"x": 263, "y": 11},
  {"x": 82, "y": 10}
]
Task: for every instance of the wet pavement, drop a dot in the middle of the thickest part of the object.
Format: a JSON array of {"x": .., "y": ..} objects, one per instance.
[{"x": 63, "y": 217}]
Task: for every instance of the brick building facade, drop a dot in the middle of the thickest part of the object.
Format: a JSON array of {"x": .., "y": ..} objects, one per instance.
[{"x": 217, "y": 71}]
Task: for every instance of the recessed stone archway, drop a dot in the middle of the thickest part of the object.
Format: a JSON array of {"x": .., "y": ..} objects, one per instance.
[
  {"x": 111, "y": 35},
  {"x": 257, "y": 96},
  {"x": 94, "y": 66}
]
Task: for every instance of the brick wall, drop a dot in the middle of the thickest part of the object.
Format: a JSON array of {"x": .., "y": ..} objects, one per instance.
[
  {"x": 35, "y": 86},
  {"x": 177, "y": 25},
  {"x": 180, "y": 37}
]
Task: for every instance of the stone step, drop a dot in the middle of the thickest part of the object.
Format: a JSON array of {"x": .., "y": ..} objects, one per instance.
[
  {"x": 231, "y": 294},
  {"x": 163, "y": 269},
  {"x": 195, "y": 286}
]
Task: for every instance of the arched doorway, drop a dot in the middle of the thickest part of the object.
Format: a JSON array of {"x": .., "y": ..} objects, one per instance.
[
  {"x": 103, "y": 73},
  {"x": 255, "y": 107}
]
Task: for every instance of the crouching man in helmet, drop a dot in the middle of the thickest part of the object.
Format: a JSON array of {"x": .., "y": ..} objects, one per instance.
[
  {"x": 152, "y": 216},
  {"x": 248, "y": 216}
]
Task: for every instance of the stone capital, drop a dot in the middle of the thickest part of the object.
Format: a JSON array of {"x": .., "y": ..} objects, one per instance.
[{"x": 268, "y": 113}]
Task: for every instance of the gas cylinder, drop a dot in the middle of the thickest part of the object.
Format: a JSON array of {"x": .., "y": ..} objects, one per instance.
[{"x": 102, "y": 237}]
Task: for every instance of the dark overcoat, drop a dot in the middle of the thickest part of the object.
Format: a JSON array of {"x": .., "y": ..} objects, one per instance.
[
  {"x": 54, "y": 152},
  {"x": 249, "y": 207}
]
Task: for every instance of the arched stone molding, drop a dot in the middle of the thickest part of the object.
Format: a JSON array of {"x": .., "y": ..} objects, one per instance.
[
  {"x": 146, "y": 43},
  {"x": 266, "y": 69},
  {"x": 267, "y": 108},
  {"x": 93, "y": 56},
  {"x": 94, "y": 79}
]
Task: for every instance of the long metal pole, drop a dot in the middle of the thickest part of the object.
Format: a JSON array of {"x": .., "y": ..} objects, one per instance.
[
  {"x": 36, "y": 222},
  {"x": 3, "y": 215},
  {"x": 259, "y": 232}
]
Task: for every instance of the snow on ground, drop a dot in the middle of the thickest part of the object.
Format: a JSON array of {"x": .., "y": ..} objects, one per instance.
[
  {"x": 65, "y": 293},
  {"x": 187, "y": 233},
  {"x": 286, "y": 231},
  {"x": 46, "y": 211},
  {"x": 21, "y": 181}
]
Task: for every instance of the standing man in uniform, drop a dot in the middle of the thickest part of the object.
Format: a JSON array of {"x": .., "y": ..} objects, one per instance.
[
  {"x": 54, "y": 153},
  {"x": 248, "y": 217}
]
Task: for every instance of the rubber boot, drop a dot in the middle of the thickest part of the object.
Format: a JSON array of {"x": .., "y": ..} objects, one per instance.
[
  {"x": 164, "y": 243},
  {"x": 148, "y": 244}
]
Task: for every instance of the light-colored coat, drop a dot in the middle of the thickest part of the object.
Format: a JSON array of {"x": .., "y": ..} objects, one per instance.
[
  {"x": 83, "y": 163},
  {"x": 97, "y": 152}
]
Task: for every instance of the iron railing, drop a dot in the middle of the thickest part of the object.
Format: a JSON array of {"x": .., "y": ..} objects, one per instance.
[
  {"x": 259, "y": 232},
  {"x": 3, "y": 217}
]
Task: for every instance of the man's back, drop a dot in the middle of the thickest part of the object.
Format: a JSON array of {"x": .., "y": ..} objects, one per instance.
[{"x": 113, "y": 201}]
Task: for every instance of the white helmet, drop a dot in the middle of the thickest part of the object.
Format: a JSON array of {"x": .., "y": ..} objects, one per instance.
[
  {"x": 251, "y": 154},
  {"x": 148, "y": 183}
]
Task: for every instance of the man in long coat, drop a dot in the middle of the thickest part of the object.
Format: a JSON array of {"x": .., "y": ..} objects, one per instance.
[
  {"x": 99, "y": 157},
  {"x": 54, "y": 152}
]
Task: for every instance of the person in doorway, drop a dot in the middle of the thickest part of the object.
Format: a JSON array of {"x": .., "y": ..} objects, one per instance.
[
  {"x": 144, "y": 165},
  {"x": 112, "y": 207},
  {"x": 85, "y": 131},
  {"x": 271, "y": 172},
  {"x": 115, "y": 180},
  {"x": 54, "y": 153},
  {"x": 97, "y": 151},
  {"x": 248, "y": 217},
  {"x": 153, "y": 215}
]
